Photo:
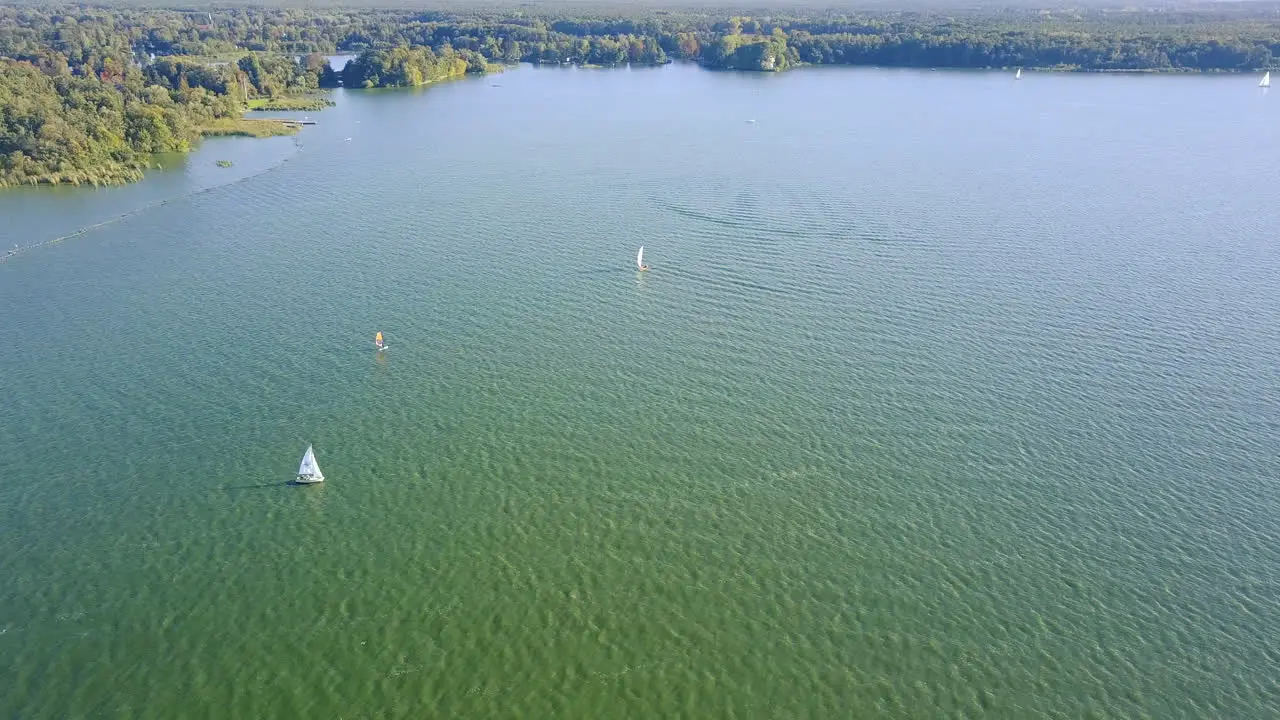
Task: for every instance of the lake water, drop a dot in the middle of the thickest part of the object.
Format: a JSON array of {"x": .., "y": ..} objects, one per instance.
[{"x": 946, "y": 396}]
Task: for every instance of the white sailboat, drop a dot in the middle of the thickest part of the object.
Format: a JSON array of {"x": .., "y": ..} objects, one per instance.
[
  {"x": 309, "y": 470},
  {"x": 1266, "y": 80},
  {"x": 640, "y": 260},
  {"x": 1018, "y": 75}
]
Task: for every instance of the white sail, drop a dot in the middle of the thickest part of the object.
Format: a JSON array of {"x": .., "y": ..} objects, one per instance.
[
  {"x": 309, "y": 470},
  {"x": 640, "y": 258},
  {"x": 1018, "y": 75},
  {"x": 1266, "y": 80}
]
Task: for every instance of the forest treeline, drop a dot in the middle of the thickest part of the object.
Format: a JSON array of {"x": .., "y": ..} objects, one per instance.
[
  {"x": 95, "y": 116},
  {"x": 1233, "y": 37},
  {"x": 87, "y": 92}
]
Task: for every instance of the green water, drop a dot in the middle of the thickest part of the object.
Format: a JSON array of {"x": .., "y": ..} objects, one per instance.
[{"x": 947, "y": 396}]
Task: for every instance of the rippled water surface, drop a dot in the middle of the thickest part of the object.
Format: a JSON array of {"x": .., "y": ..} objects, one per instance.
[{"x": 947, "y": 395}]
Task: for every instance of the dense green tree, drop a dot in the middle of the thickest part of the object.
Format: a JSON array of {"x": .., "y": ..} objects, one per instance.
[
  {"x": 82, "y": 129},
  {"x": 402, "y": 67}
]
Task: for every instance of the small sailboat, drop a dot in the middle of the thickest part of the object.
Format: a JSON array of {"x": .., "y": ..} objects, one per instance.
[
  {"x": 640, "y": 260},
  {"x": 1266, "y": 80},
  {"x": 378, "y": 343},
  {"x": 309, "y": 470},
  {"x": 1018, "y": 75}
]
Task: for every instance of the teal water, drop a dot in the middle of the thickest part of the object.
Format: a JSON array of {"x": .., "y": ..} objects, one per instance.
[{"x": 947, "y": 396}]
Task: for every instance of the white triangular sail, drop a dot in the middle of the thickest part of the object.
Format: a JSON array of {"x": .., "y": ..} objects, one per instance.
[
  {"x": 1018, "y": 75},
  {"x": 640, "y": 258},
  {"x": 1266, "y": 80},
  {"x": 309, "y": 470}
]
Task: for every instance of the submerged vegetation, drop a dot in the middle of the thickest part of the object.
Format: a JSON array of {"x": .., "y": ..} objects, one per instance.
[{"x": 87, "y": 93}]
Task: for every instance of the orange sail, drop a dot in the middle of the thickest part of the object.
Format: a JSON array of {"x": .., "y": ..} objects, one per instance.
[{"x": 377, "y": 339}]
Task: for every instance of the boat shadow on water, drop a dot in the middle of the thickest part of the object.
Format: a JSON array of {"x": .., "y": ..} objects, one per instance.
[{"x": 264, "y": 486}]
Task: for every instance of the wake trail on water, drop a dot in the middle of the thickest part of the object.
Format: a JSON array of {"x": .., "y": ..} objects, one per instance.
[{"x": 139, "y": 210}]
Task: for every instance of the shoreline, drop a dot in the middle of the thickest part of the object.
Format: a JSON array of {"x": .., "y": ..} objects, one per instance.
[{"x": 127, "y": 173}]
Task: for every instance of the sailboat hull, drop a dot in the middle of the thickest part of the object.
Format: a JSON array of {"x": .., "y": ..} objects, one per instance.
[{"x": 310, "y": 479}]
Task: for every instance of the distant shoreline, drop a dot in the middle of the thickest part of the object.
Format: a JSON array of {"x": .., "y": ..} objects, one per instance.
[{"x": 88, "y": 92}]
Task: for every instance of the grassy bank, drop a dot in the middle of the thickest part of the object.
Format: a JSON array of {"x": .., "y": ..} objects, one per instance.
[
  {"x": 257, "y": 128},
  {"x": 107, "y": 174},
  {"x": 307, "y": 102}
]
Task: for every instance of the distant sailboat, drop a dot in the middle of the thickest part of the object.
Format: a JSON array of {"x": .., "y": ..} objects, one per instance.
[
  {"x": 1018, "y": 75},
  {"x": 309, "y": 471},
  {"x": 377, "y": 341},
  {"x": 1266, "y": 80},
  {"x": 640, "y": 260}
]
